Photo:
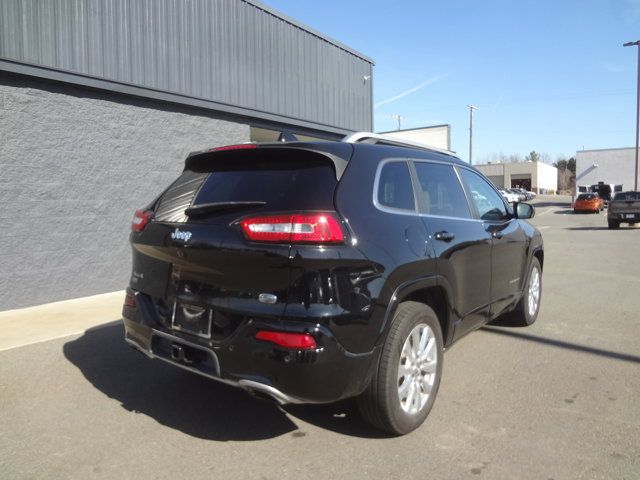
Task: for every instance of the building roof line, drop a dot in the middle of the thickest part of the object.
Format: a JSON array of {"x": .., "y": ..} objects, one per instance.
[
  {"x": 417, "y": 128},
  {"x": 605, "y": 149},
  {"x": 75, "y": 78},
  {"x": 306, "y": 28}
]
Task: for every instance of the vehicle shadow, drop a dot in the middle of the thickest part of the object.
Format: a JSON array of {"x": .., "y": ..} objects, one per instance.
[
  {"x": 625, "y": 357},
  {"x": 587, "y": 228},
  {"x": 549, "y": 204},
  {"x": 195, "y": 405}
]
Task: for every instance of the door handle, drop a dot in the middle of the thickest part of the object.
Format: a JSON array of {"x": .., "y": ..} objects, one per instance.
[
  {"x": 444, "y": 236},
  {"x": 496, "y": 234}
]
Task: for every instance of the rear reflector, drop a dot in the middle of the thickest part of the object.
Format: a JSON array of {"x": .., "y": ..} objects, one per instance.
[
  {"x": 300, "y": 341},
  {"x": 234, "y": 147},
  {"x": 140, "y": 220},
  {"x": 310, "y": 228},
  {"x": 129, "y": 301}
]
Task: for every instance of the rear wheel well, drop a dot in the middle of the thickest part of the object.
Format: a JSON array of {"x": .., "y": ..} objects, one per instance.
[
  {"x": 436, "y": 298},
  {"x": 540, "y": 256}
]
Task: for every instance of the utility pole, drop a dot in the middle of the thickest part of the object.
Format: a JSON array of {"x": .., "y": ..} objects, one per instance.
[
  {"x": 399, "y": 119},
  {"x": 471, "y": 109},
  {"x": 635, "y": 177}
]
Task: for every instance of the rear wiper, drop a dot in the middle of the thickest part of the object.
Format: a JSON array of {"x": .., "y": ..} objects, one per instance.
[{"x": 219, "y": 206}]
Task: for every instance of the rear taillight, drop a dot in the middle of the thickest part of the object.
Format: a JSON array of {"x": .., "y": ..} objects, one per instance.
[
  {"x": 307, "y": 228},
  {"x": 299, "y": 341},
  {"x": 140, "y": 220}
]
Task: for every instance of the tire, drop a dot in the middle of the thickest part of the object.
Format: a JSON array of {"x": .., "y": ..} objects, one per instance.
[
  {"x": 526, "y": 313},
  {"x": 386, "y": 403},
  {"x": 613, "y": 225}
]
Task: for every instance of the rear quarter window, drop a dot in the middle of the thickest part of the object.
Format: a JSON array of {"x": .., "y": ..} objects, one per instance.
[
  {"x": 626, "y": 196},
  {"x": 394, "y": 187}
]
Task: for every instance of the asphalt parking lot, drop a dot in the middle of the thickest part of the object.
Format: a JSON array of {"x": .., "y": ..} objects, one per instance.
[{"x": 558, "y": 400}]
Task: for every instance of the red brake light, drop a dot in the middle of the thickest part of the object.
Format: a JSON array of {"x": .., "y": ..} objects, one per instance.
[
  {"x": 140, "y": 220},
  {"x": 303, "y": 228},
  {"x": 300, "y": 341},
  {"x": 242, "y": 146}
]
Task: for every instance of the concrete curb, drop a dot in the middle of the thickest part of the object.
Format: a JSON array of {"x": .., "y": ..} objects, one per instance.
[{"x": 31, "y": 325}]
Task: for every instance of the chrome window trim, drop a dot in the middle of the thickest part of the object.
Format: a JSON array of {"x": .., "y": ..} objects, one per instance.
[
  {"x": 379, "y": 138},
  {"x": 376, "y": 186},
  {"x": 416, "y": 212}
]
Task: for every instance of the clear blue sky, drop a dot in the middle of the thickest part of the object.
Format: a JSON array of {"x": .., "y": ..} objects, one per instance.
[{"x": 550, "y": 76}]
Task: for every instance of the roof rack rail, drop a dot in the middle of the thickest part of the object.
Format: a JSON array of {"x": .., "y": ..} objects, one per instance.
[{"x": 378, "y": 138}]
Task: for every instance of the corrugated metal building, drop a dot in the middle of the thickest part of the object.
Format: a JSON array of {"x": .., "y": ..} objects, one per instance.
[{"x": 101, "y": 100}]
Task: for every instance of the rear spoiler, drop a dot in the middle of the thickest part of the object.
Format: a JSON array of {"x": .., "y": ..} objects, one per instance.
[{"x": 338, "y": 153}]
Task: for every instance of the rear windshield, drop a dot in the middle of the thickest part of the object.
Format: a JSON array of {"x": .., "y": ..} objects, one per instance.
[
  {"x": 586, "y": 196},
  {"x": 627, "y": 196},
  {"x": 283, "y": 185}
]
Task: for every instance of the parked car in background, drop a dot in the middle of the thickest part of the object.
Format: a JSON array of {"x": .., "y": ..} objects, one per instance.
[
  {"x": 531, "y": 194},
  {"x": 588, "y": 202},
  {"x": 624, "y": 208},
  {"x": 521, "y": 196},
  {"x": 314, "y": 272},
  {"x": 604, "y": 191},
  {"x": 521, "y": 191},
  {"x": 510, "y": 197}
]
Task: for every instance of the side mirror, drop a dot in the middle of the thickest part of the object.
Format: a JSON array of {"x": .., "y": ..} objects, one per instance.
[{"x": 524, "y": 210}]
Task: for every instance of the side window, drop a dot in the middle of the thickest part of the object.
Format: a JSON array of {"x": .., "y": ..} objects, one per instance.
[
  {"x": 442, "y": 192},
  {"x": 488, "y": 202},
  {"x": 394, "y": 186}
]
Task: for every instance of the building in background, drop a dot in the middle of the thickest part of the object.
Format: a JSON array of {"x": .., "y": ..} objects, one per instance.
[
  {"x": 614, "y": 166},
  {"x": 438, "y": 136},
  {"x": 99, "y": 97},
  {"x": 537, "y": 177}
]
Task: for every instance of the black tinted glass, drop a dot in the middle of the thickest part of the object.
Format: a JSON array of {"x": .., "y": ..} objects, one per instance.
[
  {"x": 303, "y": 184},
  {"x": 442, "y": 192},
  {"x": 394, "y": 186},
  {"x": 489, "y": 203},
  {"x": 627, "y": 196}
]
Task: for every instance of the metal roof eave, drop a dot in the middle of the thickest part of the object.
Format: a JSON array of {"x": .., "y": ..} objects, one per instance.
[{"x": 146, "y": 92}]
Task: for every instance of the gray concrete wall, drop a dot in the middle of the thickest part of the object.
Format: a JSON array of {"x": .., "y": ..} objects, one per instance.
[
  {"x": 616, "y": 165},
  {"x": 74, "y": 165}
]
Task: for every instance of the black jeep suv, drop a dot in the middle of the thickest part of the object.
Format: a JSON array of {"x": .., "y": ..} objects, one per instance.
[{"x": 314, "y": 272}]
